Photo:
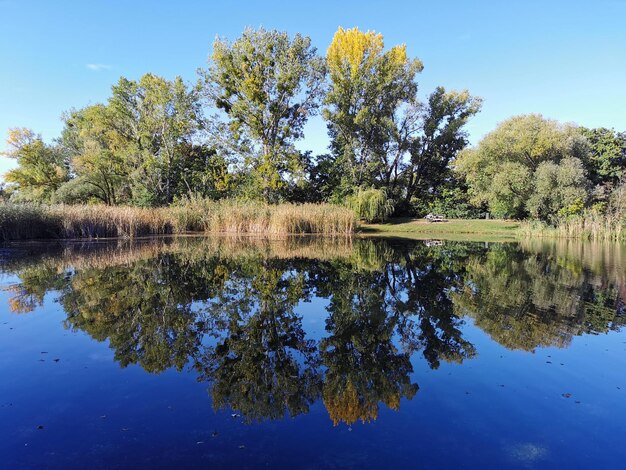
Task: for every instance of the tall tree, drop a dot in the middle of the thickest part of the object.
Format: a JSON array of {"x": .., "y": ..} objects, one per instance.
[
  {"x": 368, "y": 86},
  {"x": 41, "y": 167},
  {"x": 98, "y": 157},
  {"x": 436, "y": 143},
  {"x": 267, "y": 85},
  {"x": 138, "y": 147},
  {"x": 157, "y": 116},
  {"x": 382, "y": 135}
]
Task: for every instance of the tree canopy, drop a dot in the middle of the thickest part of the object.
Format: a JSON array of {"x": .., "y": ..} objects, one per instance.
[
  {"x": 528, "y": 164},
  {"x": 237, "y": 132}
]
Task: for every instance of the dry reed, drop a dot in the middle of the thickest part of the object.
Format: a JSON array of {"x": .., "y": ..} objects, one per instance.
[
  {"x": 589, "y": 227},
  {"x": 30, "y": 221}
]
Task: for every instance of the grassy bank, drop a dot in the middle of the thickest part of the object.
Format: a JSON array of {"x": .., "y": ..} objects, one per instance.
[
  {"x": 598, "y": 228},
  {"x": 454, "y": 229},
  {"x": 30, "y": 221}
]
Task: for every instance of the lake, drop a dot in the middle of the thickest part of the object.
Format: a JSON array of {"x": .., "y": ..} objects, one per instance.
[{"x": 312, "y": 353}]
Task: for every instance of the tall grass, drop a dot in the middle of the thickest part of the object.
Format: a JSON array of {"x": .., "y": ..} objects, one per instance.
[
  {"x": 591, "y": 226},
  {"x": 252, "y": 217},
  {"x": 30, "y": 221}
]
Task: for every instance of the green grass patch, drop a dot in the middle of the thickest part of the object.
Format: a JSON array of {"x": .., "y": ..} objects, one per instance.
[{"x": 453, "y": 229}]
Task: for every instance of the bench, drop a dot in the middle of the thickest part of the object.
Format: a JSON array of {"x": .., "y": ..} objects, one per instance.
[{"x": 435, "y": 218}]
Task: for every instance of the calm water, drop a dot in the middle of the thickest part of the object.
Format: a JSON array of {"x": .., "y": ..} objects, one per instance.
[{"x": 218, "y": 353}]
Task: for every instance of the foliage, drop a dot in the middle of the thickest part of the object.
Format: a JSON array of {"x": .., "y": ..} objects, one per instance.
[
  {"x": 607, "y": 162},
  {"x": 453, "y": 202},
  {"x": 372, "y": 205},
  {"x": 503, "y": 170},
  {"x": 151, "y": 144},
  {"x": 559, "y": 189},
  {"x": 138, "y": 148},
  {"x": 381, "y": 135},
  {"x": 368, "y": 85},
  {"x": 268, "y": 85},
  {"x": 41, "y": 168}
]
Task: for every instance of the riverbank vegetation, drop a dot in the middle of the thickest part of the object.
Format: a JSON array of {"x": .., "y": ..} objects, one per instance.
[
  {"x": 224, "y": 153},
  {"x": 31, "y": 221}
]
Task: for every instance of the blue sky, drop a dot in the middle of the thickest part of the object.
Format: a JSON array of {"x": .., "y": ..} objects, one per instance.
[{"x": 564, "y": 59}]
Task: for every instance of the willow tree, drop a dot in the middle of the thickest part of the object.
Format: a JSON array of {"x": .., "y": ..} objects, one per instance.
[
  {"x": 266, "y": 85},
  {"x": 382, "y": 136},
  {"x": 502, "y": 171}
]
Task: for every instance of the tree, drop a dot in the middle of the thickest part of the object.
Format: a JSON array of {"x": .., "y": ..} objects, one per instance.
[
  {"x": 440, "y": 139},
  {"x": 98, "y": 160},
  {"x": 559, "y": 189},
  {"x": 158, "y": 118},
  {"x": 267, "y": 85},
  {"x": 368, "y": 85},
  {"x": 381, "y": 135},
  {"x": 501, "y": 170},
  {"x": 138, "y": 147},
  {"x": 607, "y": 162},
  {"x": 41, "y": 167}
]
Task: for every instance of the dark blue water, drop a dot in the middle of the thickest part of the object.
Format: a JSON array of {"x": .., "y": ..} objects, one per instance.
[{"x": 217, "y": 353}]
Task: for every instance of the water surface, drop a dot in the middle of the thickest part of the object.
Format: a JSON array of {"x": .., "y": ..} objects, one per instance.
[{"x": 309, "y": 353}]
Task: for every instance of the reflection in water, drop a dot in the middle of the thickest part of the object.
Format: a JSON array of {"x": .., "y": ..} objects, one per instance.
[
  {"x": 228, "y": 309},
  {"x": 526, "y": 299}
]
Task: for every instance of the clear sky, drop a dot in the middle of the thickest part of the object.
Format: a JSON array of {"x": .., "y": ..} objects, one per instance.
[{"x": 564, "y": 59}]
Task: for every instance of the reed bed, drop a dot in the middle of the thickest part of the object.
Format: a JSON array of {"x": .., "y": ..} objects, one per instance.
[
  {"x": 589, "y": 227},
  {"x": 32, "y": 221},
  {"x": 258, "y": 218}
]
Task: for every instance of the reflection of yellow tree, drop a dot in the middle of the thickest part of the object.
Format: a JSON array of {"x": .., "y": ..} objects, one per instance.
[{"x": 364, "y": 367}]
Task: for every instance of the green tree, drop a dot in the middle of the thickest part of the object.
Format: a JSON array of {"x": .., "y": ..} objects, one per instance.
[
  {"x": 158, "y": 118},
  {"x": 441, "y": 136},
  {"x": 267, "y": 85},
  {"x": 607, "y": 162},
  {"x": 41, "y": 170},
  {"x": 138, "y": 147},
  {"x": 98, "y": 161},
  {"x": 501, "y": 170},
  {"x": 558, "y": 189}
]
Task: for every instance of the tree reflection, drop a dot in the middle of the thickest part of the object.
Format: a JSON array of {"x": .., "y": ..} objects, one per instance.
[
  {"x": 262, "y": 364},
  {"x": 364, "y": 366},
  {"x": 231, "y": 311},
  {"x": 528, "y": 300}
]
